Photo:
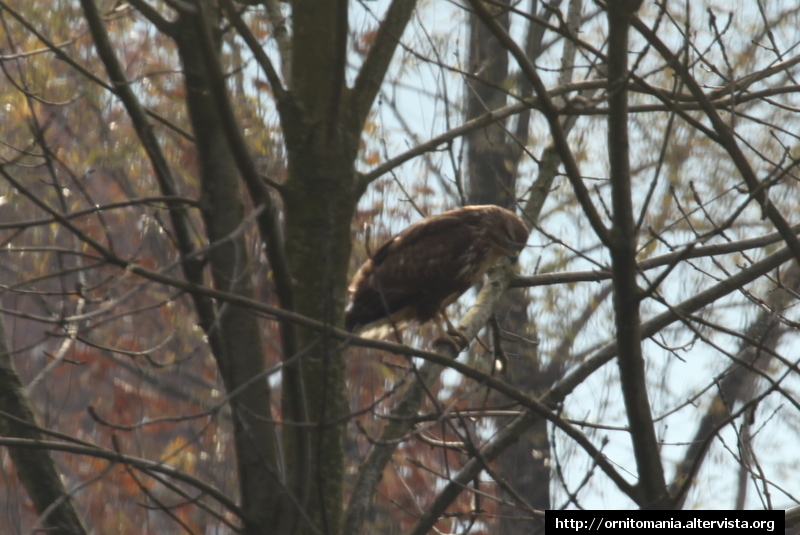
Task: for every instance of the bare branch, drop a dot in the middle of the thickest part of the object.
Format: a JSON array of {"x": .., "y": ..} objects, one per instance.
[
  {"x": 280, "y": 33},
  {"x": 370, "y": 76},
  {"x": 56, "y": 49},
  {"x": 36, "y": 468},
  {"x": 563, "y": 388},
  {"x": 622, "y": 247},
  {"x": 282, "y": 97},
  {"x": 136, "y": 462},
  {"x": 151, "y": 14},
  {"x": 726, "y": 138},
  {"x": 552, "y": 115}
]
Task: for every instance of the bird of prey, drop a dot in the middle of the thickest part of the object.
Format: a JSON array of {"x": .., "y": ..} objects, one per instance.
[{"x": 415, "y": 275}]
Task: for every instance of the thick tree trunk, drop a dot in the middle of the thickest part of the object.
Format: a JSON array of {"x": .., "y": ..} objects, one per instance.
[
  {"x": 36, "y": 468},
  {"x": 493, "y": 158},
  {"x": 318, "y": 248},
  {"x": 319, "y": 199},
  {"x": 239, "y": 354}
]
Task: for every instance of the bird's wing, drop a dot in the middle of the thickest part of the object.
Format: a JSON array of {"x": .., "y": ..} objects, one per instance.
[
  {"x": 424, "y": 268},
  {"x": 427, "y": 250},
  {"x": 436, "y": 231}
]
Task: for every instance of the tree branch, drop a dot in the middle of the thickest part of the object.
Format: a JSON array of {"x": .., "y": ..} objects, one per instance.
[
  {"x": 552, "y": 115},
  {"x": 373, "y": 70},
  {"x": 622, "y": 247},
  {"x": 155, "y": 18},
  {"x": 83, "y": 71},
  {"x": 567, "y": 385},
  {"x": 280, "y": 33},
  {"x": 567, "y": 277},
  {"x": 269, "y": 227},
  {"x": 282, "y": 97},
  {"x": 726, "y": 138},
  {"x": 36, "y": 468},
  {"x": 114, "y": 457},
  {"x": 192, "y": 267},
  {"x": 753, "y": 360}
]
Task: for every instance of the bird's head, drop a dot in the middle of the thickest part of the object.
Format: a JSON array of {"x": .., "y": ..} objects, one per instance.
[{"x": 509, "y": 234}]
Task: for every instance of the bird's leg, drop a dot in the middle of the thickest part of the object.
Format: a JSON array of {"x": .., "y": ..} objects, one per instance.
[
  {"x": 500, "y": 357},
  {"x": 451, "y": 335},
  {"x": 453, "y": 331}
]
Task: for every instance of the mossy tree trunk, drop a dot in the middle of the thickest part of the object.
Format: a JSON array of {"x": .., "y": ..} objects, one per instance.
[{"x": 322, "y": 120}]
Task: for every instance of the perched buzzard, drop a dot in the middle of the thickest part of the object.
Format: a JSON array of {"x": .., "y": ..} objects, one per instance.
[{"x": 415, "y": 275}]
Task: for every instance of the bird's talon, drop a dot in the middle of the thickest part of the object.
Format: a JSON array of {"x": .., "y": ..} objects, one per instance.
[
  {"x": 461, "y": 339},
  {"x": 446, "y": 340},
  {"x": 456, "y": 339}
]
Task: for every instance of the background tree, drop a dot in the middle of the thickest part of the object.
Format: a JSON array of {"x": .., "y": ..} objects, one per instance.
[{"x": 183, "y": 184}]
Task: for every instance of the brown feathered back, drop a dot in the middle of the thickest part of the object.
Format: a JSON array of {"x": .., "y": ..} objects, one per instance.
[{"x": 419, "y": 272}]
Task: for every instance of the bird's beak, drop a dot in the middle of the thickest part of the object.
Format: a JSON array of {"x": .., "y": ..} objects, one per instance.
[{"x": 514, "y": 256}]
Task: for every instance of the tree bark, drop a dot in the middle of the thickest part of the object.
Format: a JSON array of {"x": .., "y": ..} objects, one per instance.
[
  {"x": 491, "y": 159},
  {"x": 240, "y": 355},
  {"x": 622, "y": 247},
  {"x": 36, "y": 469}
]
